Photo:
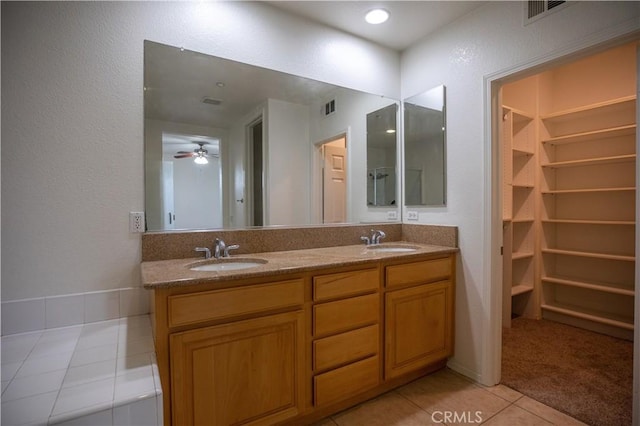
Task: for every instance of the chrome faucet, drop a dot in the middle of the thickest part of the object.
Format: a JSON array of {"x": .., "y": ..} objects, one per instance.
[
  {"x": 207, "y": 252},
  {"x": 375, "y": 238},
  {"x": 221, "y": 249}
]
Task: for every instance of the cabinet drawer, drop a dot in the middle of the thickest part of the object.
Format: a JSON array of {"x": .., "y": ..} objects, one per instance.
[
  {"x": 346, "y": 314},
  {"x": 419, "y": 272},
  {"x": 344, "y": 284},
  {"x": 344, "y": 382},
  {"x": 345, "y": 347},
  {"x": 219, "y": 304}
]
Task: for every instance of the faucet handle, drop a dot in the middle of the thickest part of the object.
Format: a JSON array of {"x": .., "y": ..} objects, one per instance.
[
  {"x": 232, "y": 247},
  {"x": 367, "y": 240},
  {"x": 207, "y": 252}
]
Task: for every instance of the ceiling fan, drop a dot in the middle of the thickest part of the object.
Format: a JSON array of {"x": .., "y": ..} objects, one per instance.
[{"x": 199, "y": 155}]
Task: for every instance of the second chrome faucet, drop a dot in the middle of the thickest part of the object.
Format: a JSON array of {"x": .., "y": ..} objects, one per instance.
[
  {"x": 220, "y": 249},
  {"x": 376, "y": 236}
]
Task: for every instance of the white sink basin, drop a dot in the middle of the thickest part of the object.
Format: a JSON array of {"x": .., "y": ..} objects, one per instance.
[
  {"x": 227, "y": 265},
  {"x": 392, "y": 249}
]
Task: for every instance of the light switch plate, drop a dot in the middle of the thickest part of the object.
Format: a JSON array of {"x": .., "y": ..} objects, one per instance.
[
  {"x": 412, "y": 215},
  {"x": 392, "y": 215}
]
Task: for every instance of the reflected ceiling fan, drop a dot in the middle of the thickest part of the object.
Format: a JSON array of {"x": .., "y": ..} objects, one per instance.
[{"x": 199, "y": 155}]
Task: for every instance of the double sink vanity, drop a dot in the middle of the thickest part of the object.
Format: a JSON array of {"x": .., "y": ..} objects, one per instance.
[{"x": 298, "y": 323}]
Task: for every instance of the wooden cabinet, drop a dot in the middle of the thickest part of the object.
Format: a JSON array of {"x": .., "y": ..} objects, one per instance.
[
  {"x": 245, "y": 372},
  {"x": 346, "y": 334},
  {"x": 418, "y": 319},
  {"x": 292, "y": 348}
]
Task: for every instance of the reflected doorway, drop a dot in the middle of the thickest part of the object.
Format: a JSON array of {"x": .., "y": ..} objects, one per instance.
[
  {"x": 191, "y": 190},
  {"x": 334, "y": 180},
  {"x": 255, "y": 178}
]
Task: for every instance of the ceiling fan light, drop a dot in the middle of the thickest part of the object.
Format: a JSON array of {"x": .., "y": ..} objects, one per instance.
[
  {"x": 376, "y": 16},
  {"x": 200, "y": 160}
]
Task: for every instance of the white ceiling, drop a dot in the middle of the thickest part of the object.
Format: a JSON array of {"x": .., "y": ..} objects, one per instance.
[{"x": 409, "y": 21}]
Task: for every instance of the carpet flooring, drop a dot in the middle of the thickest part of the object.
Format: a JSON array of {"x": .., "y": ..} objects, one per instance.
[{"x": 586, "y": 375}]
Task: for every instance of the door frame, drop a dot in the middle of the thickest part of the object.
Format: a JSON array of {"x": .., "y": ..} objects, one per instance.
[
  {"x": 491, "y": 356},
  {"x": 317, "y": 159}
]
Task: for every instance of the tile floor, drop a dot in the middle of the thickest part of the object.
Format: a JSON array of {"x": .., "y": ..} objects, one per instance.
[
  {"x": 447, "y": 398},
  {"x": 98, "y": 373}
]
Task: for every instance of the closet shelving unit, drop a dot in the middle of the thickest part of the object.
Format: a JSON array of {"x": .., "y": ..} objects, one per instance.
[
  {"x": 587, "y": 191},
  {"x": 519, "y": 164}
]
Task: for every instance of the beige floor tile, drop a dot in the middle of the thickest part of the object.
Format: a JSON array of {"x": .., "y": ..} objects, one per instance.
[
  {"x": 447, "y": 392},
  {"x": 505, "y": 392},
  {"x": 390, "y": 409},
  {"x": 514, "y": 415},
  {"x": 550, "y": 414}
]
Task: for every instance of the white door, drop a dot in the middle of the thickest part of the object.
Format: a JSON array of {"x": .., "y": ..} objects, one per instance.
[{"x": 335, "y": 183}]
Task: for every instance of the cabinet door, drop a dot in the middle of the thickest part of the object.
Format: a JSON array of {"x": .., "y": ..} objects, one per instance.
[
  {"x": 418, "y": 327},
  {"x": 246, "y": 372}
]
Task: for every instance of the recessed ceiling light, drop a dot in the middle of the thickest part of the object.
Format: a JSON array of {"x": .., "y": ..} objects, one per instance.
[{"x": 376, "y": 16}]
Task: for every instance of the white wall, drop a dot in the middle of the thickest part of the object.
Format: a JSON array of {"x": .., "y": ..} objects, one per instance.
[
  {"x": 287, "y": 195},
  {"x": 487, "y": 41},
  {"x": 72, "y": 115}
]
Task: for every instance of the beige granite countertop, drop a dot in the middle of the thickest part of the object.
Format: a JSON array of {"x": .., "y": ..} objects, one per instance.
[{"x": 177, "y": 272}]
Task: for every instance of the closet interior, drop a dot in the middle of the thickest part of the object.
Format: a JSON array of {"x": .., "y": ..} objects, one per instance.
[{"x": 568, "y": 141}]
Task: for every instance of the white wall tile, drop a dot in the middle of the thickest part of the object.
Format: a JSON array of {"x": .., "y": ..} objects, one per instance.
[
  {"x": 139, "y": 413},
  {"x": 31, "y": 410},
  {"x": 134, "y": 301},
  {"x": 61, "y": 311},
  {"x": 102, "y": 305},
  {"x": 101, "y": 418},
  {"x": 19, "y": 316}
]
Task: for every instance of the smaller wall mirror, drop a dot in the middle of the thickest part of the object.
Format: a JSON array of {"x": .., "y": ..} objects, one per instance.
[
  {"x": 381, "y": 156},
  {"x": 425, "y": 148}
]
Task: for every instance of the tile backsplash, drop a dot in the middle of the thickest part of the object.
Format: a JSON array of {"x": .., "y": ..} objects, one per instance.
[{"x": 19, "y": 316}]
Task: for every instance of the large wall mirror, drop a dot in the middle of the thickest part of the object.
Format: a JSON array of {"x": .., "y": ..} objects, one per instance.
[
  {"x": 425, "y": 148},
  {"x": 231, "y": 145}
]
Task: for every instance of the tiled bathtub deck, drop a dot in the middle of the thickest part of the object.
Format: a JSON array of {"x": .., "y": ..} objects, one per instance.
[{"x": 99, "y": 373}]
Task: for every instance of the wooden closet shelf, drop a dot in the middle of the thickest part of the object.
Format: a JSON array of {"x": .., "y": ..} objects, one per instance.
[
  {"x": 522, "y": 219},
  {"x": 590, "y": 254},
  {"x": 522, "y": 186},
  {"x": 519, "y": 152},
  {"x": 585, "y": 111},
  {"x": 597, "y": 286},
  {"x": 521, "y": 255},
  {"x": 588, "y": 190},
  {"x": 590, "y": 222},
  {"x": 628, "y": 130},
  {"x": 518, "y": 115},
  {"x": 600, "y": 317},
  {"x": 521, "y": 289},
  {"x": 592, "y": 161}
]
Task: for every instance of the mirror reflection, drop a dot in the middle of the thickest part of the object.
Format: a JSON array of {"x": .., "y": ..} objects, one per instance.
[
  {"x": 231, "y": 145},
  {"x": 381, "y": 156},
  {"x": 425, "y": 148}
]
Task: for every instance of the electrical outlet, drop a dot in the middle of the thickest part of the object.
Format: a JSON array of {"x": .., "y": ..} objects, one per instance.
[
  {"x": 392, "y": 215},
  {"x": 412, "y": 215},
  {"x": 136, "y": 222}
]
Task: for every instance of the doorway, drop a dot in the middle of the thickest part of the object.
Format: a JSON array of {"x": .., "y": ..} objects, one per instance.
[
  {"x": 568, "y": 189},
  {"x": 334, "y": 180},
  {"x": 192, "y": 194},
  {"x": 255, "y": 173}
]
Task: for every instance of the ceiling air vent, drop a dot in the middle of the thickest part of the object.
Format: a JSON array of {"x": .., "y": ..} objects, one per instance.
[{"x": 536, "y": 9}]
